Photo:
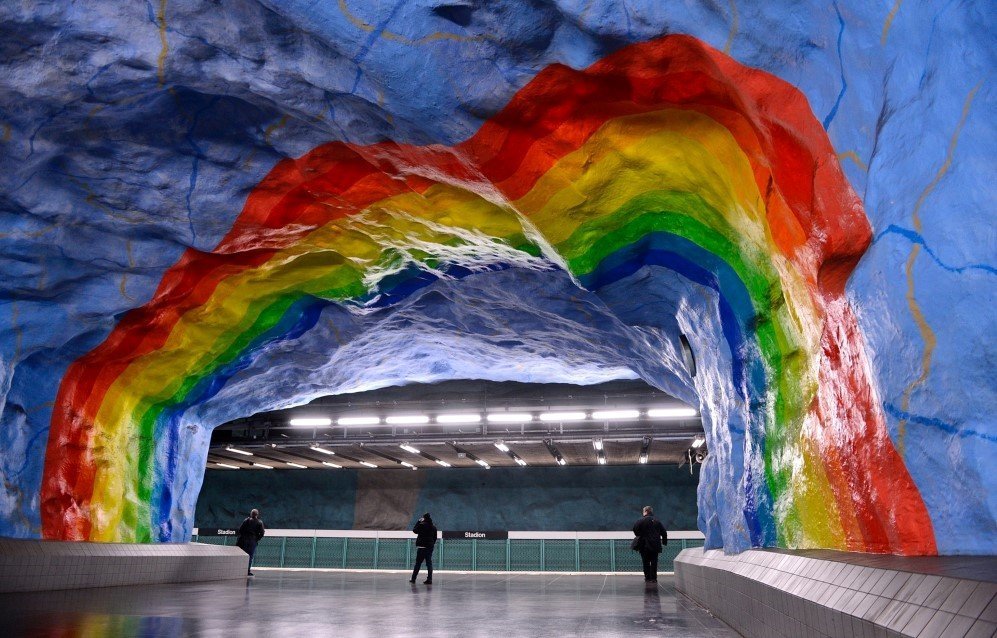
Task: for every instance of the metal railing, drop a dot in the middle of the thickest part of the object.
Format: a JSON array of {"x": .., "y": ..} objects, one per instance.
[{"x": 544, "y": 552}]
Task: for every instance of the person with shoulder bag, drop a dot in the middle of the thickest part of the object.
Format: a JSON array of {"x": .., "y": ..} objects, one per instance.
[
  {"x": 250, "y": 533},
  {"x": 649, "y": 539}
]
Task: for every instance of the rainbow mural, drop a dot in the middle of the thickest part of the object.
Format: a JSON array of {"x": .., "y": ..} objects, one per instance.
[{"x": 667, "y": 153}]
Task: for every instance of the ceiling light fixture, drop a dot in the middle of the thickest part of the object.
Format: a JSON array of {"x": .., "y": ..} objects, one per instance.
[
  {"x": 602, "y": 458},
  {"x": 458, "y": 418},
  {"x": 297, "y": 465},
  {"x": 558, "y": 457},
  {"x": 409, "y": 448},
  {"x": 238, "y": 451},
  {"x": 562, "y": 416},
  {"x": 366, "y": 464},
  {"x": 311, "y": 421},
  {"x": 483, "y": 464},
  {"x": 338, "y": 467},
  {"x": 358, "y": 420},
  {"x": 321, "y": 449},
  {"x": 670, "y": 413},
  {"x": 519, "y": 461},
  {"x": 265, "y": 467},
  {"x": 645, "y": 448},
  {"x": 610, "y": 415},
  {"x": 597, "y": 444},
  {"x": 698, "y": 442},
  {"x": 231, "y": 467},
  {"x": 407, "y": 419},
  {"x": 509, "y": 417},
  {"x": 443, "y": 463},
  {"x": 408, "y": 465},
  {"x": 502, "y": 446}
]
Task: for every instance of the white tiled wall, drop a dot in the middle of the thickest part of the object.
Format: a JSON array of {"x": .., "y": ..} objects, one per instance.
[
  {"x": 33, "y": 565},
  {"x": 770, "y": 594}
]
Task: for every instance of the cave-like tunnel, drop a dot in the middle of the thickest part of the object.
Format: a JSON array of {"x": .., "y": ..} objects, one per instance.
[{"x": 212, "y": 212}]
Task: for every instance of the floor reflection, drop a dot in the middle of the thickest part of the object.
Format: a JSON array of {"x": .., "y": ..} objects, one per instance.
[{"x": 319, "y": 603}]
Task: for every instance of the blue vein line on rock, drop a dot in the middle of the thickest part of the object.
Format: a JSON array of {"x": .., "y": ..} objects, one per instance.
[
  {"x": 841, "y": 66},
  {"x": 916, "y": 238}
]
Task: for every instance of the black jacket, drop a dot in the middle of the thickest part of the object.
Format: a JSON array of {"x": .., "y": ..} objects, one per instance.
[
  {"x": 426, "y": 533},
  {"x": 652, "y": 534},
  {"x": 250, "y": 532}
]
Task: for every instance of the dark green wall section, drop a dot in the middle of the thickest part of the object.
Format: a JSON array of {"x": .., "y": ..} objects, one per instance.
[{"x": 556, "y": 498}]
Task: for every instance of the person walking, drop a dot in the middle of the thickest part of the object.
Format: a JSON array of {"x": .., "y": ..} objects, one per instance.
[
  {"x": 649, "y": 537},
  {"x": 250, "y": 533},
  {"x": 425, "y": 541}
]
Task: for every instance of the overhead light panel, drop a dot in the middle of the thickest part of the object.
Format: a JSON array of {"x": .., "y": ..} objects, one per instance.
[
  {"x": 483, "y": 464},
  {"x": 319, "y": 448},
  {"x": 670, "y": 413},
  {"x": 597, "y": 444},
  {"x": 443, "y": 463},
  {"x": 407, "y": 419},
  {"x": 409, "y": 448},
  {"x": 265, "y": 467},
  {"x": 509, "y": 417},
  {"x": 558, "y": 457},
  {"x": 602, "y": 458},
  {"x": 458, "y": 418},
  {"x": 310, "y": 421},
  {"x": 408, "y": 465},
  {"x": 297, "y": 465},
  {"x": 231, "y": 467},
  {"x": 562, "y": 416},
  {"x": 359, "y": 420},
  {"x": 338, "y": 467},
  {"x": 238, "y": 451},
  {"x": 519, "y": 461},
  {"x": 610, "y": 415},
  {"x": 366, "y": 464},
  {"x": 502, "y": 446},
  {"x": 698, "y": 442}
]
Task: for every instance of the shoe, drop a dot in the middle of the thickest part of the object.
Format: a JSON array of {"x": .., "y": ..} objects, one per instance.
[
  {"x": 412, "y": 580},
  {"x": 427, "y": 582},
  {"x": 251, "y": 574}
]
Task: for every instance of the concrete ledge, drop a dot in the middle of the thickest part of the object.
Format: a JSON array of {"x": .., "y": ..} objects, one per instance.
[
  {"x": 34, "y": 565},
  {"x": 775, "y": 593}
]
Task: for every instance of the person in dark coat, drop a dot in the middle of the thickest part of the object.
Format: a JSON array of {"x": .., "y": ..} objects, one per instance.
[
  {"x": 250, "y": 533},
  {"x": 650, "y": 536},
  {"x": 425, "y": 541}
]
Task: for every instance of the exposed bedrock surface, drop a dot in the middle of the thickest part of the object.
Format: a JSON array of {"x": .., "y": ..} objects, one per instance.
[{"x": 208, "y": 211}]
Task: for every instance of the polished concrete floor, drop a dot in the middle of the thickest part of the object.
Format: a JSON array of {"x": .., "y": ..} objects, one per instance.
[{"x": 331, "y": 603}]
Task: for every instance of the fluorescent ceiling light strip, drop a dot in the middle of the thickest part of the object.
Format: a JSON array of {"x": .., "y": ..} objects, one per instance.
[
  {"x": 338, "y": 467},
  {"x": 303, "y": 467},
  {"x": 602, "y": 460},
  {"x": 306, "y": 421},
  {"x": 443, "y": 463},
  {"x": 562, "y": 416},
  {"x": 238, "y": 451},
  {"x": 509, "y": 417},
  {"x": 458, "y": 418},
  {"x": 520, "y": 461},
  {"x": 231, "y": 467},
  {"x": 408, "y": 465},
  {"x": 366, "y": 464},
  {"x": 698, "y": 441},
  {"x": 615, "y": 414},
  {"x": 597, "y": 444},
  {"x": 409, "y": 448},
  {"x": 318, "y": 448},
  {"x": 670, "y": 413},
  {"x": 502, "y": 446},
  {"x": 407, "y": 419},
  {"x": 482, "y": 463},
  {"x": 643, "y": 458},
  {"x": 358, "y": 420},
  {"x": 265, "y": 467}
]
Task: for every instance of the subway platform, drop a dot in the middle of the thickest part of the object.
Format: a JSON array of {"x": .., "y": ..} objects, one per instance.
[{"x": 283, "y": 602}]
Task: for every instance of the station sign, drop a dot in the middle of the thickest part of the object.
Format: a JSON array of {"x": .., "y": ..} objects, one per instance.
[
  {"x": 214, "y": 531},
  {"x": 476, "y": 535}
]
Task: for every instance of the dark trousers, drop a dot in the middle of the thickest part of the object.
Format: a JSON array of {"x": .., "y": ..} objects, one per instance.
[
  {"x": 423, "y": 554},
  {"x": 650, "y": 561},
  {"x": 251, "y": 550}
]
